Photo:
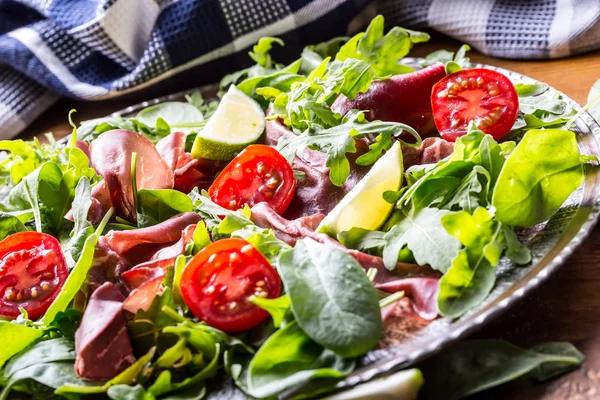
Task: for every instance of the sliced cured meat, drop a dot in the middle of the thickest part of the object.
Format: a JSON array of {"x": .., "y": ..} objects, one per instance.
[
  {"x": 435, "y": 149},
  {"x": 144, "y": 272},
  {"x": 107, "y": 267},
  {"x": 111, "y": 156},
  {"x": 288, "y": 231},
  {"x": 188, "y": 172},
  {"x": 422, "y": 293},
  {"x": 177, "y": 248},
  {"x": 171, "y": 148},
  {"x": 102, "y": 343},
  {"x": 402, "y": 98},
  {"x": 166, "y": 232}
]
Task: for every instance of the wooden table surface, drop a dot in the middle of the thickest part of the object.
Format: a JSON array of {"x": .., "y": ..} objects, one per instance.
[{"x": 565, "y": 308}]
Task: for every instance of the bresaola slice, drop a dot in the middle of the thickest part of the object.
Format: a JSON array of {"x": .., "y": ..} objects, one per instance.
[
  {"x": 402, "y": 98},
  {"x": 111, "y": 154},
  {"x": 166, "y": 232},
  {"x": 418, "y": 282},
  {"x": 188, "y": 172},
  {"x": 102, "y": 343}
]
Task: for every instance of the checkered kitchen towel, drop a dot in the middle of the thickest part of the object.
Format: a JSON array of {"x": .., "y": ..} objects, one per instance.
[{"x": 97, "y": 49}]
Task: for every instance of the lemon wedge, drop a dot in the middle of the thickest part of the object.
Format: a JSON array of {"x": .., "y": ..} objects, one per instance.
[{"x": 364, "y": 206}]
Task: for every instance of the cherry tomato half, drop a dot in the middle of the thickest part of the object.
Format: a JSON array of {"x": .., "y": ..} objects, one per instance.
[
  {"x": 32, "y": 271},
  {"x": 219, "y": 282},
  {"x": 487, "y": 97},
  {"x": 259, "y": 173}
]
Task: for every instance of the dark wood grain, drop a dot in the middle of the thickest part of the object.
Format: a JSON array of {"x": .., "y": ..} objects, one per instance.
[{"x": 565, "y": 308}]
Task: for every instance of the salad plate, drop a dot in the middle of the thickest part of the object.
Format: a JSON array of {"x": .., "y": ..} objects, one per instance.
[
  {"x": 551, "y": 244},
  {"x": 292, "y": 231}
]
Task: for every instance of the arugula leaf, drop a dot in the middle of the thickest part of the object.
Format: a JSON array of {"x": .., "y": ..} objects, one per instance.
[
  {"x": 382, "y": 52},
  {"x": 471, "y": 193},
  {"x": 281, "y": 79},
  {"x": 331, "y": 297},
  {"x": 339, "y": 140},
  {"x": 197, "y": 100},
  {"x": 476, "y": 365},
  {"x": 453, "y": 62},
  {"x": 424, "y": 235},
  {"x": 537, "y": 178},
  {"x": 158, "y": 205},
  {"x": 260, "y": 51},
  {"x": 313, "y": 55},
  {"x": 290, "y": 359},
  {"x": 472, "y": 274},
  {"x": 91, "y": 129}
]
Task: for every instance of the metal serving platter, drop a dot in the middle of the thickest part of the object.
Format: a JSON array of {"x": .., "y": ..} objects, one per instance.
[{"x": 551, "y": 244}]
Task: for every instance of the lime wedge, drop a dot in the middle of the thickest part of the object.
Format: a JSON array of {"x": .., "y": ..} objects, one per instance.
[
  {"x": 403, "y": 385},
  {"x": 237, "y": 122},
  {"x": 364, "y": 206}
]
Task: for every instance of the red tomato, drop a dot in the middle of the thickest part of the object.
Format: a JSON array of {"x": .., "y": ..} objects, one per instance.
[
  {"x": 220, "y": 280},
  {"x": 259, "y": 173},
  {"x": 481, "y": 95},
  {"x": 32, "y": 271}
]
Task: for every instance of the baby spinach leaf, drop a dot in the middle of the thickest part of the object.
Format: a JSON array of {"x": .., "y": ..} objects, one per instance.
[
  {"x": 47, "y": 351},
  {"x": 425, "y": 236},
  {"x": 331, "y": 297},
  {"x": 276, "y": 307},
  {"x": 158, "y": 205},
  {"x": 174, "y": 113},
  {"x": 382, "y": 52},
  {"x": 529, "y": 105},
  {"x": 476, "y": 365},
  {"x": 290, "y": 359},
  {"x": 530, "y": 89},
  {"x": 515, "y": 251},
  {"x": 472, "y": 274},
  {"x": 19, "y": 337},
  {"x": 10, "y": 224},
  {"x": 538, "y": 176}
]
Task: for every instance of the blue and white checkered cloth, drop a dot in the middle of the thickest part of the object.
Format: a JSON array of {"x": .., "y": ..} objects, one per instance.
[{"x": 98, "y": 49}]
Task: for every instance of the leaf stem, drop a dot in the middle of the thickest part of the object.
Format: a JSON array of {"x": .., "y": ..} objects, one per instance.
[
  {"x": 104, "y": 222},
  {"x": 172, "y": 314},
  {"x": 371, "y": 274},
  {"x": 590, "y": 103},
  {"x": 391, "y": 299},
  {"x": 134, "y": 180}
]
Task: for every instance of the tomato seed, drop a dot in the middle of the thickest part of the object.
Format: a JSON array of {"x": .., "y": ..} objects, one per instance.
[
  {"x": 235, "y": 258},
  {"x": 260, "y": 283},
  {"x": 45, "y": 285}
]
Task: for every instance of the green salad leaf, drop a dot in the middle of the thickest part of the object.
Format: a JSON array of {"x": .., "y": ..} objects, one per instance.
[
  {"x": 476, "y": 365},
  {"x": 158, "y": 205},
  {"x": 382, "y": 52},
  {"x": 538, "y": 176},
  {"x": 472, "y": 274},
  {"x": 289, "y": 359},
  {"x": 10, "y": 224},
  {"x": 425, "y": 236},
  {"x": 331, "y": 297},
  {"x": 19, "y": 337}
]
